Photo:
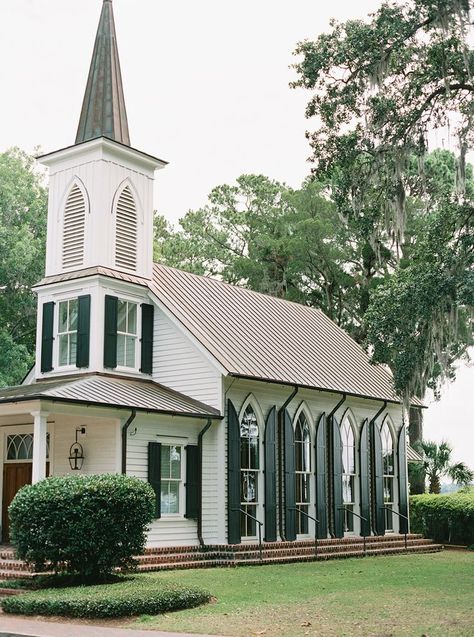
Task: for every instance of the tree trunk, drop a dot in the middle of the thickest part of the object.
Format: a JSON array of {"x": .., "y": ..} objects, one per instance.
[{"x": 415, "y": 433}]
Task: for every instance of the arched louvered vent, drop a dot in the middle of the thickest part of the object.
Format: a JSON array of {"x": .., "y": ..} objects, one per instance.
[
  {"x": 73, "y": 229},
  {"x": 126, "y": 231}
]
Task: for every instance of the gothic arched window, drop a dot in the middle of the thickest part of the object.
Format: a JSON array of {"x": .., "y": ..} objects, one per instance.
[
  {"x": 126, "y": 231},
  {"x": 349, "y": 473},
  {"x": 388, "y": 473},
  {"x": 74, "y": 224},
  {"x": 303, "y": 471},
  {"x": 250, "y": 466}
]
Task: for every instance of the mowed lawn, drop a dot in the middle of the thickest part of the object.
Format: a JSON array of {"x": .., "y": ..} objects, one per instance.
[{"x": 400, "y": 596}]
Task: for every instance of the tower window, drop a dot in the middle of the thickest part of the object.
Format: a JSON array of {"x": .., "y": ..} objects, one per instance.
[
  {"x": 126, "y": 333},
  {"x": 126, "y": 231},
  {"x": 67, "y": 332},
  {"x": 74, "y": 228}
]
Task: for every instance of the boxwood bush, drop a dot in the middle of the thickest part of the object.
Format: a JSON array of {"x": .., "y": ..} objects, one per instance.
[
  {"x": 85, "y": 525},
  {"x": 135, "y": 596},
  {"x": 444, "y": 518}
]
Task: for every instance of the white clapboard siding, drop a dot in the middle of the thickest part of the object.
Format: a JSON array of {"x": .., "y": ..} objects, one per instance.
[
  {"x": 126, "y": 231},
  {"x": 177, "y": 363},
  {"x": 74, "y": 229}
]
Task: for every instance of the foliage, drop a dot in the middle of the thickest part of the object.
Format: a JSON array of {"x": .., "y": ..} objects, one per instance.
[
  {"x": 87, "y": 525},
  {"x": 23, "y": 212},
  {"x": 134, "y": 596},
  {"x": 411, "y": 59},
  {"x": 437, "y": 464},
  {"x": 445, "y": 518}
]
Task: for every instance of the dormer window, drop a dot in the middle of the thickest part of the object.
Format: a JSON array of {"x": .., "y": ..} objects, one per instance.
[
  {"x": 67, "y": 332},
  {"x": 126, "y": 231}
]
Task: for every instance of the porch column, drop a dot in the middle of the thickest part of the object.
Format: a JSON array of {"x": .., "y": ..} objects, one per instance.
[{"x": 40, "y": 430}]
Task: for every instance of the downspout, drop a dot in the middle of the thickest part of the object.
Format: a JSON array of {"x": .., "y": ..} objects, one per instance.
[
  {"x": 281, "y": 446},
  {"x": 199, "y": 520},
  {"x": 329, "y": 448},
  {"x": 373, "y": 507},
  {"x": 125, "y": 427}
]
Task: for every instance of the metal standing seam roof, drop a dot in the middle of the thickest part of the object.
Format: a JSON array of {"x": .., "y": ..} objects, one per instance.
[
  {"x": 254, "y": 335},
  {"x": 93, "y": 271},
  {"x": 109, "y": 391}
]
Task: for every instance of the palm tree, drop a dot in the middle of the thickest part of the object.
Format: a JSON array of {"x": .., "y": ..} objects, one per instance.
[{"x": 437, "y": 463}]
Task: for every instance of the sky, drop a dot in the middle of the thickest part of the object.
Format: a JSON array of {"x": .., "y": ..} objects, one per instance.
[{"x": 207, "y": 89}]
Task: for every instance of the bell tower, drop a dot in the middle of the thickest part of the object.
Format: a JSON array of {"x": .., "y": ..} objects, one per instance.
[{"x": 94, "y": 312}]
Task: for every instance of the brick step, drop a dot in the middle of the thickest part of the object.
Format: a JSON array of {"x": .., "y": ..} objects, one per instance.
[
  {"x": 171, "y": 566},
  {"x": 14, "y": 565},
  {"x": 208, "y": 556},
  {"x": 15, "y": 574},
  {"x": 350, "y": 539}
]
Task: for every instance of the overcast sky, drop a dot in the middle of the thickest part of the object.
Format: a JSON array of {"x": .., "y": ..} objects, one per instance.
[{"x": 206, "y": 86}]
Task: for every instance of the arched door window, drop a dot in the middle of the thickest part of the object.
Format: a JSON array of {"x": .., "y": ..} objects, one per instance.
[
  {"x": 249, "y": 471},
  {"x": 388, "y": 474},
  {"x": 303, "y": 472},
  {"x": 349, "y": 473}
]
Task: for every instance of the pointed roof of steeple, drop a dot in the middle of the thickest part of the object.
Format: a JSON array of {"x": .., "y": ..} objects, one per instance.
[{"x": 103, "y": 110}]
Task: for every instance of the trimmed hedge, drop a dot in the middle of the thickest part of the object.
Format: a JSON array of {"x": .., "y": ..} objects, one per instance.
[
  {"x": 444, "y": 518},
  {"x": 131, "y": 597},
  {"x": 85, "y": 525}
]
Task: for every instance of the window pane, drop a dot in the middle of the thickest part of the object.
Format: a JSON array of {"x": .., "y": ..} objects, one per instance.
[
  {"x": 175, "y": 460},
  {"x": 132, "y": 318},
  {"x": 73, "y": 312},
  {"x": 120, "y": 349},
  {"x": 248, "y": 526},
  {"x": 249, "y": 487},
  {"x": 72, "y": 348},
  {"x": 244, "y": 453},
  {"x": 253, "y": 453},
  {"x": 122, "y": 316},
  {"x": 130, "y": 351},
  {"x": 165, "y": 462},
  {"x": 62, "y": 317},
  {"x": 169, "y": 497},
  {"x": 63, "y": 349}
]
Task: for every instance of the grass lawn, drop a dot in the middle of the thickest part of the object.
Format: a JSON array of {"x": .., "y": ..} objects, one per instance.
[{"x": 399, "y": 596}]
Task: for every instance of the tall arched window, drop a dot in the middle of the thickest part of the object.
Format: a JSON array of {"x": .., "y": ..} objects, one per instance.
[
  {"x": 349, "y": 473},
  {"x": 249, "y": 470},
  {"x": 388, "y": 473},
  {"x": 126, "y": 231},
  {"x": 303, "y": 471},
  {"x": 74, "y": 224}
]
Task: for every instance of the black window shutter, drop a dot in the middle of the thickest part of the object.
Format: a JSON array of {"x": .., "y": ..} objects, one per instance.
[
  {"x": 83, "y": 330},
  {"x": 270, "y": 477},
  {"x": 47, "y": 338},
  {"x": 110, "y": 332},
  {"x": 290, "y": 479},
  {"x": 337, "y": 471},
  {"x": 364, "y": 479},
  {"x": 193, "y": 473},
  {"x": 233, "y": 475},
  {"x": 321, "y": 472},
  {"x": 402, "y": 479},
  {"x": 154, "y": 473},
  {"x": 147, "y": 338},
  {"x": 377, "y": 480}
]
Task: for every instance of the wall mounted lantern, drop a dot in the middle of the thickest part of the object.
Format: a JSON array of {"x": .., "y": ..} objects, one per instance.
[{"x": 76, "y": 452}]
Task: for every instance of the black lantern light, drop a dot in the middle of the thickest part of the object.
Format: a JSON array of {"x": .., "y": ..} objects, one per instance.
[{"x": 76, "y": 452}]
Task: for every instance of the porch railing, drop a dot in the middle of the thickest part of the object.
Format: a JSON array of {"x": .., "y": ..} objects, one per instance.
[
  {"x": 260, "y": 524},
  {"x": 316, "y": 522},
  {"x": 361, "y": 517},
  {"x": 400, "y": 515}
]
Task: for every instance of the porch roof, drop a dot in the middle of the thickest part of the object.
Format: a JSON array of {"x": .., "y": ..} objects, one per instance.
[{"x": 111, "y": 391}]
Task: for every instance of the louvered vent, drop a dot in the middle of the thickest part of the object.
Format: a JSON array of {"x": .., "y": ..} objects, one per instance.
[
  {"x": 73, "y": 229},
  {"x": 126, "y": 234}
]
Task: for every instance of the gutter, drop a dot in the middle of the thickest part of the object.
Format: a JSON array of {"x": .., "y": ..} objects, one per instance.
[
  {"x": 281, "y": 446},
  {"x": 125, "y": 427},
  {"x": 384, "y": 406},
  {"x": 199, "y": 520}
]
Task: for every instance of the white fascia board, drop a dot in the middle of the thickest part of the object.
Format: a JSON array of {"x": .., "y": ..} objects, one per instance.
[
  {"x": 184, "y": 330},
  {"x": 103, "y": 149}
]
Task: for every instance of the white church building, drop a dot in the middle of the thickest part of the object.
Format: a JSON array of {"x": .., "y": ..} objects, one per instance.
[{"x": 245, "y": 412}]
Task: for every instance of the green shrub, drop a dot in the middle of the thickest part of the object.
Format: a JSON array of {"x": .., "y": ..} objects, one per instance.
[
  {"x": 131, "y": 597},
  {"x": 85, "y": 525},
  {"x": 444, "y": 518}
]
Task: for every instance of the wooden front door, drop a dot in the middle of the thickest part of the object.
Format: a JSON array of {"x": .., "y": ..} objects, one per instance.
[{"x": 15, "y": 476}]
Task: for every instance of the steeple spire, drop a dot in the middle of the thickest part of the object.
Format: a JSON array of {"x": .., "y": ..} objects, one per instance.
[{"x": 103, "y": 110}]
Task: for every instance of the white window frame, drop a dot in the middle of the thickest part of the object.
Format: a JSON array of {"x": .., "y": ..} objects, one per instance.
[
  {"x": 58, "y": 334},
  {"x": 122, "y": 299},
  {"x": 389, "y": 476},
  {"x": 169, "y": 442},
  {"x": 257, "y": 505},
  {"x": 305, "y": 474},
  {"x": 349, "y": 422}
]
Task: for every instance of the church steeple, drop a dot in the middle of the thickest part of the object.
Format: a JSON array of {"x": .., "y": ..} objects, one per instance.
[{"x": 103, "y": 110}]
